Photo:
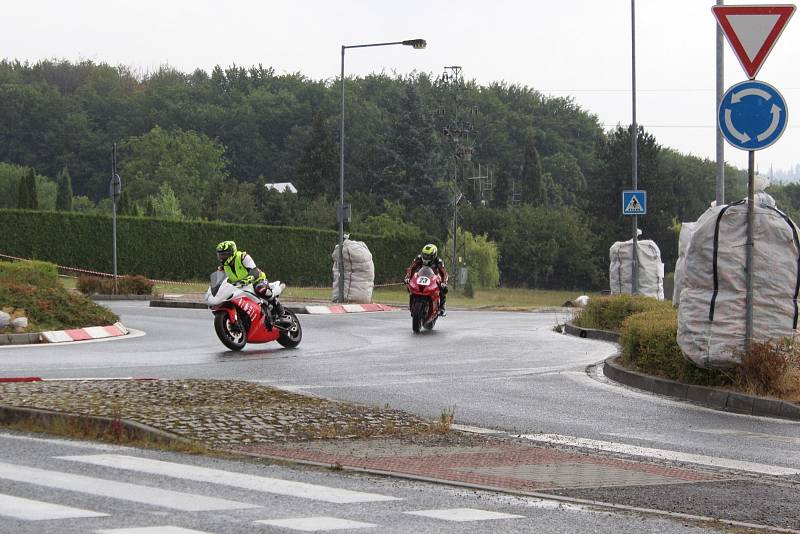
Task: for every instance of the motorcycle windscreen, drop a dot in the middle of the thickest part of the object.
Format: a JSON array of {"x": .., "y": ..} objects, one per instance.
[
  {"x": 426, "y": 271},
  {"x": 216, "y": 280}
]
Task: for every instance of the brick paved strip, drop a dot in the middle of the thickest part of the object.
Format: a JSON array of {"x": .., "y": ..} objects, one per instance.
[{"x": 502, "y": 466}]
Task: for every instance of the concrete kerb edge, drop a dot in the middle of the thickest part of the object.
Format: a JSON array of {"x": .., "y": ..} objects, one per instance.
[
  {"x": 716, "y": 398},
  {"x": 185, "y": 304},
  {"x": 135, "y": 430},
  {"x": 35, "y": 338},
  {"x": 590, "y": 333}
]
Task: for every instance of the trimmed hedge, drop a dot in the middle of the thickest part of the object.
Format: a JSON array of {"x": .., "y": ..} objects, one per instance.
[
  {"x": 608, "y": 313},
  {"x": 30, "y": 272},
  {"x": 649, "y": 344},
  {"x": 184, "y": 250}
]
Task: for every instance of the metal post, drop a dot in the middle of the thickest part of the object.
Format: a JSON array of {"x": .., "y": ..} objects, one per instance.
[
  {"x": 340, "y": 215},
  {"x": 114, "y": 230},
  {"x": 720, "y": 197},
  {"x": 634, "y": 152},
  {"x": 114, "y": 192},
  {"x": 455, "y": 220},
  {"x": 749, "y": 251}
]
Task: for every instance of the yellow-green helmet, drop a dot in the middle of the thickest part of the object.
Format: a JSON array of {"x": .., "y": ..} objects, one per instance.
[
  {"x": 225, "y": 251},
  {"x": 429, "y": 253}
]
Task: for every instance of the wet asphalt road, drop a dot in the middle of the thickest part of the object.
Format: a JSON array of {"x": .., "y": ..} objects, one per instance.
[{"x": 505, "y": 371}]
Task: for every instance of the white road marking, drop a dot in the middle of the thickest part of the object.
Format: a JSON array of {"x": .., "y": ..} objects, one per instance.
[
  {"x": 29, "y": 510},
  {"x": 662, "y": 454},
  {"x": 230, "y": 478},
  {"x": 315, "y": 524},
  {"x": 166, "y": 529},
  {"x": 117, "y": 490},
  {"x": 463, "y": 514}
]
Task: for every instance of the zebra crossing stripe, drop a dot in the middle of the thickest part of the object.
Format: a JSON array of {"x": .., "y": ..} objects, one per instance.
[
  {"x": 229, "y": 478},
  {"x": 117, "y": 490},
  {"x": 29, "y": 510},
  {"x": 463, "y": 514},
  {"x": 315, "y": 524},
  {"x": 166, "y": 529}
]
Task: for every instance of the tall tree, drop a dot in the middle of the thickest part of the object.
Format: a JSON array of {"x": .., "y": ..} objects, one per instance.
[
  {"x": 532, "y": 180},
  {"x": 27, "y": 192},
  {"x": 64, "y": 192},
  {"x": 317, "y": 171},
  {"x": 501, "y": 195}
]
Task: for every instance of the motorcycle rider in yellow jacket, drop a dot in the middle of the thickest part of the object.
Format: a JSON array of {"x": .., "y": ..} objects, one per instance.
[{"x": 240, "y": 268}]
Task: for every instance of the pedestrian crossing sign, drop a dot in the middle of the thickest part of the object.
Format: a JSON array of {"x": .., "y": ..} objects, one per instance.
[{"x": 634, "y": 202}]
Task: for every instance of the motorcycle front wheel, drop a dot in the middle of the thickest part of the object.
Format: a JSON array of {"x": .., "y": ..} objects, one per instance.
[
  {"x": 419, "y": 309},
  {"x": 232, "y": 334},
  {"x": 291, "y": 337}
]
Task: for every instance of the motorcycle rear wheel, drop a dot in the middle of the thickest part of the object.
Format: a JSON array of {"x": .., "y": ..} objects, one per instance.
[
  {"x": 291, "y": 338},
  {"x": 419, "y": 309},
  {"x": 232, "y": 334}
]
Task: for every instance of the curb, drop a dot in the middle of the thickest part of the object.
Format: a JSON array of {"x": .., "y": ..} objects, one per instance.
[
  {"x": 122, "y": 297},
  {"x": 188, "y": 304},
  {"x": 299, "y": 309},
  {"x": 63, "y": 336},
  {"x": 590, "y": 333},
  {"x": 105, "y": 425},
  {"x": 349, "y": 308},
  {"x": 715, "y": 398}
]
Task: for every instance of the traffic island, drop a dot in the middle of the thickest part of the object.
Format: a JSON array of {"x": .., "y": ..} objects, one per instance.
[{"x": 716, "y": 398}]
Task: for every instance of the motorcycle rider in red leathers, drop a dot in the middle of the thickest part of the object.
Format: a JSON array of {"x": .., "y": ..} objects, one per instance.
[{"x": 430, "y": 257}]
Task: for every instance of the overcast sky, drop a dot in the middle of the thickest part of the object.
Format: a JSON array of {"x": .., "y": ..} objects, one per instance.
[{"x": 577, "y": 48}]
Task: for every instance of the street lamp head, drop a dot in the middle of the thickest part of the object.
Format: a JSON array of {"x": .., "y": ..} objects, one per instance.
[{"x": 416, "y": 43}]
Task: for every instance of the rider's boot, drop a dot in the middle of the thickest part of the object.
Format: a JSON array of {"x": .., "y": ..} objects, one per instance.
[
  {"x": 442, "y": 309},
  {"x": 281, "y": 317},
  {"x": 265, "y": 311}
]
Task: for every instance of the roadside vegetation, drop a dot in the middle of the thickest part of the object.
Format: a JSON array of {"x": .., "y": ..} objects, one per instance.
[
  {"x": 32, "y": 289},
  {"x": 648, "y": 330}
]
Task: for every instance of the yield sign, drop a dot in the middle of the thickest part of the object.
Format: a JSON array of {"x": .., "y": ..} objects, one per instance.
[{"x": 752, "y": 31}]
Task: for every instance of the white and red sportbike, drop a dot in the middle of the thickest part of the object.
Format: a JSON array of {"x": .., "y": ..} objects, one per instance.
[{"x": 241, "y": 317}]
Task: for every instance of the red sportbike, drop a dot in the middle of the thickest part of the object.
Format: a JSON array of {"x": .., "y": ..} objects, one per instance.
[
  {"x": 239, "y": 315},
  {"x": 423, "y": 301}
]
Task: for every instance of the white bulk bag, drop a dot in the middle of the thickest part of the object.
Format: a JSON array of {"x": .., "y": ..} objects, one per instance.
[
  {"x": 359, "y": 272},
  {"x": 711, "y": 314},
  {"x": 651, "y": 269}
]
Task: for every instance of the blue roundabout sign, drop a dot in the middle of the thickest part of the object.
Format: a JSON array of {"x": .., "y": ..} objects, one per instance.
[{"x": 752, "y": 115}]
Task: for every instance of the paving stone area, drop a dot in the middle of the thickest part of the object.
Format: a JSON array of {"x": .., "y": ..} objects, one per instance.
[{"x": 217, "y": 413}]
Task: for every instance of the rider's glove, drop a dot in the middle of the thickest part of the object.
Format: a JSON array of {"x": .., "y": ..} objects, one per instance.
[
  {"x": 406, "y": 280},
  {"x": 247, "y": 280}
]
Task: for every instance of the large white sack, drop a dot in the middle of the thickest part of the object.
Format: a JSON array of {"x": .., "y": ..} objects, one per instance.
[
  {"x": 651, "y": 269},
  {"x": 359, "y": 272},
  {"x": 687, "y": 229},
  {"x": 711, "y": 315}
]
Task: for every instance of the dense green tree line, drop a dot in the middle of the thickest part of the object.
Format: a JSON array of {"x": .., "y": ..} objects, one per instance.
[{"x": 202, "y": 145}]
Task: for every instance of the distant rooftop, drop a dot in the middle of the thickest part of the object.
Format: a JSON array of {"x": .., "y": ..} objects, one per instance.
[{"x": 282, "y": 187}]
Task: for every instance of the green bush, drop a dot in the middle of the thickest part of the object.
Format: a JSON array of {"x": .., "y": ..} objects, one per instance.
[
  {"x": 32, "y": 272},
  {"x": 608, "y": 313},
  {"x": 184, "y": 250},
  {"x": 53, "y": 308},
  {"x": 649, "y": 345}
]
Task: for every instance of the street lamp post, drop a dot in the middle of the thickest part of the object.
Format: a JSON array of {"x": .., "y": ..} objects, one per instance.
[{"x": 343, "y": 212}]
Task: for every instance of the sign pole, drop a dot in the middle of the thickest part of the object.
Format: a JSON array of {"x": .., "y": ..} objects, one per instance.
[
  {"x": 634, "y": 162},
  {"x": 720, "y": 189},
  {"x": 749, "y": 251}
]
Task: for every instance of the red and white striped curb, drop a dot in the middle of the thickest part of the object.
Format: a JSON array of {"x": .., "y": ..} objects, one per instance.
[
  {"x": 350, "y": 308},
  {"x": 82, "y": 334}
]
